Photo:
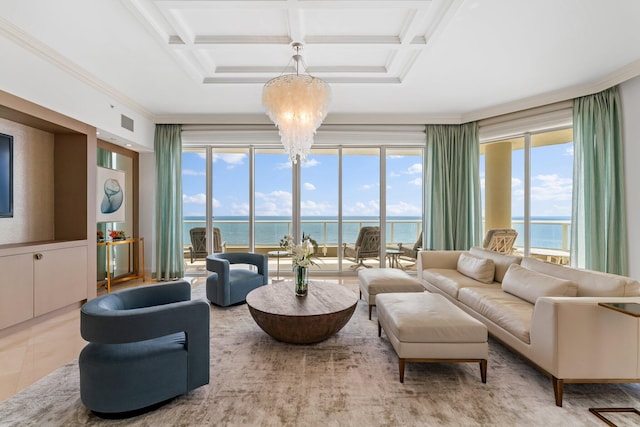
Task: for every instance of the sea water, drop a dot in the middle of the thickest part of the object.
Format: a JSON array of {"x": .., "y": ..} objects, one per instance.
[{"x": 546, "y": 232}]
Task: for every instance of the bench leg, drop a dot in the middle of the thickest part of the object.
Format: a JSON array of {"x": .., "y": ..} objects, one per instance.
[
  {"x": 370, "y": 308},
  {"x": 483, "y": 370},
  {"x": 401, "y": 363},
  {"x": 379, "y": 329},
  {"x": 557, "y": 390}
]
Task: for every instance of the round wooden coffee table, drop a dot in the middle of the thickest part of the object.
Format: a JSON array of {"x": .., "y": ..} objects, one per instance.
[{"x": 301, "y": 320}]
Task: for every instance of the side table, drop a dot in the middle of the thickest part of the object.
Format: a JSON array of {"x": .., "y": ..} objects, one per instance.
[
  {"x": 277, "y": 254},
  {"x": 628, "y": 309}
]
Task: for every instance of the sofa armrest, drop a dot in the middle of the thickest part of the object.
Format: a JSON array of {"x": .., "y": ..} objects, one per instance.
[
  {"x": 437, "y": 259},
  {"x": 575, "y": 338}
]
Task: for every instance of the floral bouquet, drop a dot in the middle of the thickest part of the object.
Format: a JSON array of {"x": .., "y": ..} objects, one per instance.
[
  {"x": 100, "y": 236},
  {"x": 116, "y": 234},
  {"x": 301, "y": 254}
]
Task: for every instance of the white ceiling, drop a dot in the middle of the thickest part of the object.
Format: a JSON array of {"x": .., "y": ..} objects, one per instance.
[{"x": 428, "y": 59}]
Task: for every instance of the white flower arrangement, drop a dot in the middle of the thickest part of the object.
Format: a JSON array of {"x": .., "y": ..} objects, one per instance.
[{"x": 302, "y": 253}]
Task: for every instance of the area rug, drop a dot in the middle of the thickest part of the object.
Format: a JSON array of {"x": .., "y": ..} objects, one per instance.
[{"x": 350, "y": 379}]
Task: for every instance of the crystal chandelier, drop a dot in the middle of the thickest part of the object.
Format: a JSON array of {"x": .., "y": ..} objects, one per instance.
[{"x": 297, "y": 104}]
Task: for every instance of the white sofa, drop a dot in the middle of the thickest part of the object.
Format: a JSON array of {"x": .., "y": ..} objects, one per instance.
[{"x": 546, "y": 312}]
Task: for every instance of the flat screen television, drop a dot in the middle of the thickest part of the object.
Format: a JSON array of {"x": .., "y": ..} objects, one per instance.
[{"x": 6, "y": 176}]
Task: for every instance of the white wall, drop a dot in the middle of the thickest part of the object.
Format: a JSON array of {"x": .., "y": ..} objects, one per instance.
[
  {"x": 630, "y": 99},
  {"x": 29, "y": 76}
]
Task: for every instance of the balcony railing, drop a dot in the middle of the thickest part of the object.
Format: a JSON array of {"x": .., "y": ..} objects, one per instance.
[{"x": 549, "y": 238}]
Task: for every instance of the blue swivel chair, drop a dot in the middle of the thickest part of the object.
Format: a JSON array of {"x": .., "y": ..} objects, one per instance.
[
  {"x": 226, "y": 285},
  {"x": 146, "y": 345}
]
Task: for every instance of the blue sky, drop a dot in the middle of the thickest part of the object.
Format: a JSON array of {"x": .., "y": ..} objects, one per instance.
[
  {"x": 551, "y": 180},
  {"x": 551, "y": 184},
  {"x": 319, "y": 182}
]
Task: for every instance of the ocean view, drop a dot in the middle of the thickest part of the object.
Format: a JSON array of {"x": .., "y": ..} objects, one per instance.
[{"x": 546, "y": 232}]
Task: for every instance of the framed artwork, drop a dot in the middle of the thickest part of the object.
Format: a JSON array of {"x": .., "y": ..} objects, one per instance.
[{"x": 110, "y": 195}]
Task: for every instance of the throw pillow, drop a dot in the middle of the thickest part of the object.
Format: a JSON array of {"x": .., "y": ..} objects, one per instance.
[
  {"x": 530, "y": 285},
  {"x": 480, "y": 269}
]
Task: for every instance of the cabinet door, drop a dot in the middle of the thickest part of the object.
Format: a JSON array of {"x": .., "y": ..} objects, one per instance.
[
  {"x": 16, "y": 289},
  {"x": 60, "y": 278}
]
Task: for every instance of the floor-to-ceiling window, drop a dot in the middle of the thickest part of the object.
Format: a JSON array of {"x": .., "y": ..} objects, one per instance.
[
  {"x": 256, "y": 196},
  {"x": 319, "y": 203},
  {"x": 527, "y": 185},
  {"x": 230, "y": 201}
]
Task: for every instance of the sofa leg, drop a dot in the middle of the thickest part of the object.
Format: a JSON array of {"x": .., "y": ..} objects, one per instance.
[
  {"x": 557, "y": 390},
  {"x": 483, "y": 370},
  {"x": 401, "y": 363},
  {"x": 370, "y": 308}
]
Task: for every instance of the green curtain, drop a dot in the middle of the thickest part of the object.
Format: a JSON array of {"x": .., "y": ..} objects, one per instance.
[
  {"x": 598, "y": 221},
  {"x": 169, "y": 251},
  {"x": 452, "y": 190}
]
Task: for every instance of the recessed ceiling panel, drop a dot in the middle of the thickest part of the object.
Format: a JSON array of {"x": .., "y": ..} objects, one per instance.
[
  {"x": 350, "y": 22},
  {"x": 225, "y": 21}
]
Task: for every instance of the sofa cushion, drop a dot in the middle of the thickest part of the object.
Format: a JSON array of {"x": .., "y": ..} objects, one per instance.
[
  {"x": 480, "y": 269},
  {"x": 451, "y": 281},
  {"x": 590, "y": 283},
  {"x": 531, "y": 285},
  {"x": 501, "y": 261},
  {"x": 511, "y": 313}
]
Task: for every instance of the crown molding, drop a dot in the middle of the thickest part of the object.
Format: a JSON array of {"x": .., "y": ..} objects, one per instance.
[
  {"x": 623, "y": 74},
  {"x": 24, "y": 40}
]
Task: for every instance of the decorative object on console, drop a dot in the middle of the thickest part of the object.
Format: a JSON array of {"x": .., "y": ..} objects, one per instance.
[
  {"x": 117, "y": 234},
  {"x": 110, "y": 195},
  {"x": 297, "y": 104}
]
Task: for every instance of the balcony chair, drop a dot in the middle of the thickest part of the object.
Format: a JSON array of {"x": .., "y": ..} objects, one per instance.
[
  {"x": 146, "y": 345},
  {"x": 367, "y": 245},
  {"x": 410, "y": 253},
  {"x": 226, "y": 285},
  {"x": 198, "y": 248},
  {"x": 500, "y": 240}
]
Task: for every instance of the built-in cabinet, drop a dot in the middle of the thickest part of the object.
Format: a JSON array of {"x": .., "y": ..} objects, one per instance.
[
  {"x": 40, "y": 279},
  {"x": 46, "y": 247}
]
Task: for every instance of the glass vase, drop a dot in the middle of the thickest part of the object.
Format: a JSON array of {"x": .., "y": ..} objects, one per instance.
[{"x": 301, "y": 280}]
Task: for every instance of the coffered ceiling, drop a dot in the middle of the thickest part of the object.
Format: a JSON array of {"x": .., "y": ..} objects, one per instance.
[{"x": 417, "y": 60}]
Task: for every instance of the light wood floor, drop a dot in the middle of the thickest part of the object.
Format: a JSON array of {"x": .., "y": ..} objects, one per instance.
[{"x": 32, "y": 352}]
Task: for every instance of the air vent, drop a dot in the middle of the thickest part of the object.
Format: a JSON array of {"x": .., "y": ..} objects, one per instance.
[{"x": 126, "y": 122}]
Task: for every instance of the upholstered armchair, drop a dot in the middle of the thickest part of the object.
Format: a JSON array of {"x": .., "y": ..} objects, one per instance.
[
  {"x": 367, "y": 245},
  {"x": 198, "y": 248},
  {"x": 227, "y": 285},
  {"x": 146, "y": 345}
]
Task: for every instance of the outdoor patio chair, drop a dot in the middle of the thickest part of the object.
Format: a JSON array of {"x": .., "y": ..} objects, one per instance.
[
  {"x": 367, "y": 245},
  {"x": 500, "y": 240},
  {"x": 198, "y": 248}
]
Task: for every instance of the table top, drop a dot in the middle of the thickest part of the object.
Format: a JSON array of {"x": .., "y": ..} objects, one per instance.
[
  {"x": 393, "y": 251},
  {"x": 277, "y": 253},
  {"x": 322, "y": 298},
  {"x": 630, "y": 308}
]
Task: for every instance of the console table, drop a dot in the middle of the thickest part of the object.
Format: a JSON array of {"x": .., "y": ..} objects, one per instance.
[{"x": 135, "y": 266}]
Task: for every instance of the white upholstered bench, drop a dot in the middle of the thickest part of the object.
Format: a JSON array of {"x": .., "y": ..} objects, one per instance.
[
  {"x": 376, "y": 281},
  {"x": 426, "y": 327}
]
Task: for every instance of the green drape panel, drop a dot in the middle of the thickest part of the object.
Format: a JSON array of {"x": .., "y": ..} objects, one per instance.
[
  {"x": 452, "y": 190},
  {"x": 598, "y": 222},
  {"x": 169, "y": 252}
]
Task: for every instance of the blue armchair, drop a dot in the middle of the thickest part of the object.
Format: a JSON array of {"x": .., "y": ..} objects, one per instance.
[
  {"x": 146, "y": 345},
  {"x": 227, "y": 286}
]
